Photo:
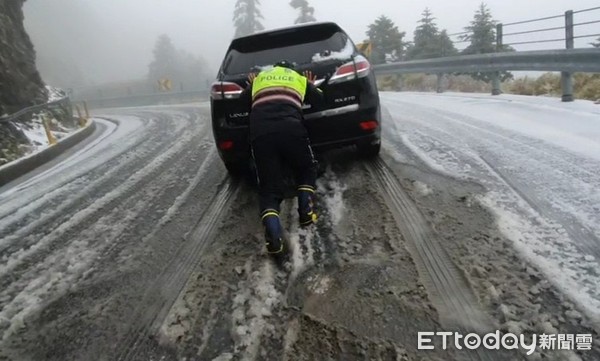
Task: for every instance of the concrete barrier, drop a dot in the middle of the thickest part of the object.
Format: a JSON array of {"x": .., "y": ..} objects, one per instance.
[{"x": 20, "y": 167}]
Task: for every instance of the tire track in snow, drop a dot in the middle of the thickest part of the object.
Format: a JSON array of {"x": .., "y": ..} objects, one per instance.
[
  {"x": 583, "y": 237},
  {"x": 450, "y": 293},
  {"x": 101, "y": 205},
  {"x": 160, "y": 296},
  {"x": 17, "y": 201},
  {"x": 83, "y": 188},
  {"x": 65, "y": 267},
  {"x": 561, "y": 188}
]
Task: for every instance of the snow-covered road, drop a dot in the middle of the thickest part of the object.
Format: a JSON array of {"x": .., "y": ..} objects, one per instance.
[
  {"x": 481, "y": 214},
  {"x": 539, "y": 160},
  {"x": 98, "y": 209}
]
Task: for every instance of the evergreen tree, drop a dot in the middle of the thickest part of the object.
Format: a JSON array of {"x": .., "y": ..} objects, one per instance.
[
  {"x": 186, "y": 71},
  {"x": 306, "y": 12},
  {"x": 246, "y": 17},
  {"x": 446, "y": 46},
  {"x": 193, "y": 71},
  {"x": 482, "y": 39},
  {"x": 596, "y": 44},
  {"x": 165, "y": 61},
  {"x": 429, "y": 42},
  {"x": 425, "y": 38},
  {"x": 386, "y": 39},
  {"x": 481, "y": 33}
]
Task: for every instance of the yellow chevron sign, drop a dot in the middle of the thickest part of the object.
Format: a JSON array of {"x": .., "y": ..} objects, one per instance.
[
  {"x": 365, "y": 47},
  {"x": 165, "y": 84}
]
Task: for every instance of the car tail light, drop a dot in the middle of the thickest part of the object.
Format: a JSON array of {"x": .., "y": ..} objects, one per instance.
[
  {"x": 225, "y": 90},
  {"x": 225, "y": 145},
  {"x": 369, "y": 125},
  {"x": 360, "y": 68}
]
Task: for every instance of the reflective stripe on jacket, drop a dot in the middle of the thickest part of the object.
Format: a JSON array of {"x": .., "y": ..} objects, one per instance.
[{"x": 279, "y": 83}]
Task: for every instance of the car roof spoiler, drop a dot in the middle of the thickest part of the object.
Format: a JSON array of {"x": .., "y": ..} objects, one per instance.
[{"x": 276, "y": 38}]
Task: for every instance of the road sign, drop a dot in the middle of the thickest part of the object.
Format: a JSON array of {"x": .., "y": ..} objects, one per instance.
[
  {"x": 165, "y": 84},
  {"x": 365, "y": 47}
]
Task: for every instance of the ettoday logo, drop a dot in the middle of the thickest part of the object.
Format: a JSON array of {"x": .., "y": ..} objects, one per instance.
[{"x": 508, "y": 341}]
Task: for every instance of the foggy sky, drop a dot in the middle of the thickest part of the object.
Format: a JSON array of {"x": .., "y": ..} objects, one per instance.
[{"x": 111, "y": 40}]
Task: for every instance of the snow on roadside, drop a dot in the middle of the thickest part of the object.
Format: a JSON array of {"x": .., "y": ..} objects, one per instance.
[
  {"x": 548, "y": 247},
  {"x": 515, "y": 150},
  {"x": 542, "y": 242},
  {"x": 36, "y": 134},
  {"x": 55, "y": 93},
  {"x": 34, "y": 131},
  {"x": 426, "y": 156}
]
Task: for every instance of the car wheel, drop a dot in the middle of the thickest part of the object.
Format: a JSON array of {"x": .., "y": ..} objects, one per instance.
[
  {"x": 235, "y": 170},
  {"x": 369, "y": 150}
]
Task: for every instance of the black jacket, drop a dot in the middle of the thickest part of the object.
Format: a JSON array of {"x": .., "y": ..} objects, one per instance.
[{"x": 279, "y": 116}]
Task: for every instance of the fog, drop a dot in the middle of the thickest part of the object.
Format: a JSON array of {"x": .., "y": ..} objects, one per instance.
[{"x": 82, "y": 42}]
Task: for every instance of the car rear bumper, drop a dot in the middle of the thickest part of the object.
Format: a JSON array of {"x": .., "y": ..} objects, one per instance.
[
  {"x": 329, "y": 129},
  {"x": 365, "y": 139},
  {"x": 342, "y": 127},
  {"x": 323, "y": 135}
]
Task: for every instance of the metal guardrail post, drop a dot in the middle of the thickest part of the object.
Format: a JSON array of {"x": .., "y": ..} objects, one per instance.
[
  {"x": 80, "y": 119},
  {"x": 440, "y": 88},
  {"x": 496, "y": 90},
  {"x": 87, "y": 110},
  {"x": 567, "y": 77},
  {"x": 46, "y": 123}
]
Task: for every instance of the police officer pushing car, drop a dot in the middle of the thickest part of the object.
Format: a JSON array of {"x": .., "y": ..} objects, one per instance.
[{"x": 278, "y": 136}]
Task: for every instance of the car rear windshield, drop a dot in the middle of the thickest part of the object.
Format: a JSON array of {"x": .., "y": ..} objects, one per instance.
[{"x": 300, "y": 46}]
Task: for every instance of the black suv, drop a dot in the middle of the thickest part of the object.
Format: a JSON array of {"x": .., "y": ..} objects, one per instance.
[{"x": 350, "y": 115}]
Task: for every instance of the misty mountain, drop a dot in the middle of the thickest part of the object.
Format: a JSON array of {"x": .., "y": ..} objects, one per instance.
[{"x": 84, "y": 42}]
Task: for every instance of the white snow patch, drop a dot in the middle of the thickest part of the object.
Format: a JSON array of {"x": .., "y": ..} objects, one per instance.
[
  {"x": 422, "y": 188},
  {"x": 252, "y": 309},
  {"x": 35, "y": 132},
  {"x": 335, "y": 201},
  {"x": 547, "y": 246},
  {"x": 224, "y": 357},
  {"x": 301, "y": 238},
  {"x": 331, "y": 191},
  {"x": 343, "y": 54},
  {"x": 423, "y": 155},
  {"x": 55, "y": 94},
  {"x": 320, "y": 284},
  {"x": 573, "y": 126},
  {"x": 290, "y": 338},
  {"x": 537, "y": 158}
]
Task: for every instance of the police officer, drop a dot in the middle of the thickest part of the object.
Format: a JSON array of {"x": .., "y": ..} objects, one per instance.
[{"x": 278, "y": 137}]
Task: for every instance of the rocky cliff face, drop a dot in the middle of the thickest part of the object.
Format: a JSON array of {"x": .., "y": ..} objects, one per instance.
[{"x": 20, "y": 83}]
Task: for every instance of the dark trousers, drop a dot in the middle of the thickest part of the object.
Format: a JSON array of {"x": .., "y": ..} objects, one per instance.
[{"x": 274, "y": 151}]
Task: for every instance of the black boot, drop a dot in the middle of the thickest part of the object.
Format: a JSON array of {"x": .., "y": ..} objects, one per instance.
[
  {"x": 306, "y": 208},
  {"x": 273, "y": 232}
]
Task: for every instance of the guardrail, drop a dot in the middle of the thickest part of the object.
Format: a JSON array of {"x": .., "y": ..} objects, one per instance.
[
  {"x": 148, "y": 99},
  {"x": 54, "y": 107},
  {"x": 563, "y": 28},
  {"x": 572, "y": 28},
  {"x": 60, "y": 110},
  {"x": 566, "y": 61}
]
